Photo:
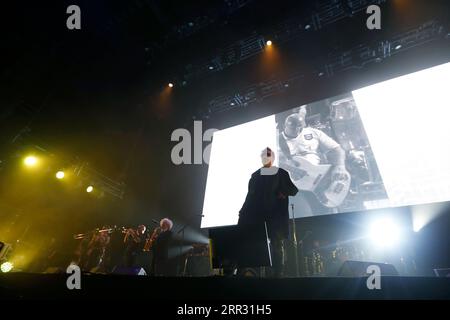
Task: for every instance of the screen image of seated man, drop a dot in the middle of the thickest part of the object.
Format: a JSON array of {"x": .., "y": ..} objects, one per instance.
[{"x": 299, "y": 141}]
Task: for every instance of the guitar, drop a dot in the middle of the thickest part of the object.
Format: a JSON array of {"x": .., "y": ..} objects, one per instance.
[{"x": 317, "y": 179}]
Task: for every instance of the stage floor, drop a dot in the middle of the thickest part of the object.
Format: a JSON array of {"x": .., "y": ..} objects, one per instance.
[{"x": 94, "y": 286}]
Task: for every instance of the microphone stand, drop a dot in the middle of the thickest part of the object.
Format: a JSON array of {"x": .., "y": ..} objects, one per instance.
[
  {"x": 294, "y": 231},
  {"x": 181, "y": 247}
]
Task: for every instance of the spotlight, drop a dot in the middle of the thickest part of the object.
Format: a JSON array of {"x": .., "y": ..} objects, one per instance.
[
  {"x": 398, "y": 47},
  {"x": 269, "y": 43},
  {"x": 170, "y": 85},
  {"x": 89, "y": 189},
  {"x": 423, "y": 214},
  {"x": 385, "y": 233},
  {"x": 30, "y": 161},
  {"x": 6, "y": 266},
  {"x": 60, "y": 175}
]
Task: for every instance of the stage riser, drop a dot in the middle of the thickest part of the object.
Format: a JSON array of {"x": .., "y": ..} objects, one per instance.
[{"x": 38, "y": 286}]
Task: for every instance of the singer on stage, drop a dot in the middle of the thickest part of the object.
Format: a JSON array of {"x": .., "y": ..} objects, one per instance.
[{"x": 267, "y": 201}]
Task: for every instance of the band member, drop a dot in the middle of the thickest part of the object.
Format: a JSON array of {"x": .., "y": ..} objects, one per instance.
[
  {"x": 134, "y": 241},
  {"x": 314, "y": 145},
  {"x": 92, "y": 253},
  {"x": 161, "y": 263},
  {"x": 267, "y": 201},
  {"x": 98, "y": 252}
]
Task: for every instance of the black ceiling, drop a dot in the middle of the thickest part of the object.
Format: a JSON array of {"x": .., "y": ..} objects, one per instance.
[{"x": 93, "y": 93}]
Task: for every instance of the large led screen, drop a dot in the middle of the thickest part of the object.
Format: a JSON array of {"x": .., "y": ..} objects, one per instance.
[{"x": 390, "y": 140}]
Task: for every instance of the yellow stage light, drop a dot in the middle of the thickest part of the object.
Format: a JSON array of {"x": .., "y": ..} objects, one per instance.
[
  {"x": 89, "y": 189},
  {"x": 60, "y": 175},
  {"x": 30, "y": 161},
  {"x": 171, "y": 85},
  {"x": 6, "y": 266},
  {"x": 269, "y": 43}
]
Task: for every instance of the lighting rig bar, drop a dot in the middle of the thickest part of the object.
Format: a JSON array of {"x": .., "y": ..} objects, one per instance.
[
  {"x": 193, "y": 26},
  {"x": 357, "y": 57},
  {"x": 328, "y": 13},
  {"x": 85, "y": 173},
  {"x": 99, "y": 181},
  {"x": 230, "y": 55},
  {"x": 198, "y": 23}
]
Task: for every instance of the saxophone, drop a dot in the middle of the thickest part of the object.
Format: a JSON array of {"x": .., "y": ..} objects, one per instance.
[{"x": 151, "y": 240}]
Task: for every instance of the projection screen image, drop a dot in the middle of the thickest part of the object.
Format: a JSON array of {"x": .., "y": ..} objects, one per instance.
[{"x": 390, "y": 139}]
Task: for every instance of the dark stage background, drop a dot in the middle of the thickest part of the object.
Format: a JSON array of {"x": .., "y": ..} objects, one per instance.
[{"x": 99, "y": 95}]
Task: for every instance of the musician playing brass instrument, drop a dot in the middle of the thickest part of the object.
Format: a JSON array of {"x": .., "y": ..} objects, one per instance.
[
  {"x": 151, "y": 240},
  {"x": 134, "y": 241}
]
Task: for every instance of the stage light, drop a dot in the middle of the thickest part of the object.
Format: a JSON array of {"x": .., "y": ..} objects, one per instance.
[
  {"x": 268, "y": 43},
  {"x": 170, "y": 85},
  {"x": 6, "y": 266},
  {"x": 385, "y": 233},
  {"x": 30, "y": 161},
  {"x": 398, "y": 47},
  {"x": 60, "y": 175},
  {"x": 179, "y": 251},
  {"x": 89, "y": 189},
  {"x": 424, "y": 214}
]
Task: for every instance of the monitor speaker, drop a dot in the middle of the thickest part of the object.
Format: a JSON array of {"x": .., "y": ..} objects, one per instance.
[
  {"x": 135, "y": 271},
  {"x": 443, "y": 272}
]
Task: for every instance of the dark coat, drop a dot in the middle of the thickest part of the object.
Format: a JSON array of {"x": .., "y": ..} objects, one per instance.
[{"x": 264, "y": 203}]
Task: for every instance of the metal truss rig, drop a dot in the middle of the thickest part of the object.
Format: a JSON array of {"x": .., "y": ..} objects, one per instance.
[
  {"x": 357, "y": 57},
  {"x": 24, "y": 141},
  {"x": 91, "y": 176},
  {"x": 327, "y": 13}
]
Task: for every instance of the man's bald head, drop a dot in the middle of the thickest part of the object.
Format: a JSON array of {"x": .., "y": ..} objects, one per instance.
[{"x": 267, "y": 157}]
